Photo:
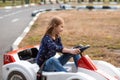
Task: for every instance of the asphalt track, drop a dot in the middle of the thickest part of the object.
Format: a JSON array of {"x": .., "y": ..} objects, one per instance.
[{"x": 13, "y": 21}]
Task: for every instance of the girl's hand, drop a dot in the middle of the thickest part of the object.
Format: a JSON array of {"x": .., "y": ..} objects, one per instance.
[{"x": 75, "y": 51}]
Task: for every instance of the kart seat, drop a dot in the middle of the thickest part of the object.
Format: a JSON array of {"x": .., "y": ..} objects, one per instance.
[{"x": 28, "y": 53}]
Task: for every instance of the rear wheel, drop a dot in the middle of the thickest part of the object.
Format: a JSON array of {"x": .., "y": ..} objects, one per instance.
[{"x": 15, "y": 75}]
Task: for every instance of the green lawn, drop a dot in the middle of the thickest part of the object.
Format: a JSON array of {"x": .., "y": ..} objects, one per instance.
[{"x": 17, "y": 2}]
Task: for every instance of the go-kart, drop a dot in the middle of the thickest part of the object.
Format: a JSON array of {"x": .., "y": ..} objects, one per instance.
[{"x": 20, "y": 65}]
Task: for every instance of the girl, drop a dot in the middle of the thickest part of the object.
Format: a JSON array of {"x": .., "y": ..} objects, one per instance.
[{"x": 50, "y": 44}]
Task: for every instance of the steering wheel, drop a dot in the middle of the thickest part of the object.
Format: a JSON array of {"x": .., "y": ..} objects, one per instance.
[{"x": 82, "y": 48}]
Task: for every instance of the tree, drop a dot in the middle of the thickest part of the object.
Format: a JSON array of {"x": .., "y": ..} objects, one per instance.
[{"x": 3, "y": 1}]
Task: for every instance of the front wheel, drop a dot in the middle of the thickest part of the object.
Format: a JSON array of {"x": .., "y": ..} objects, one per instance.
[{"x": 15, "y": 75}]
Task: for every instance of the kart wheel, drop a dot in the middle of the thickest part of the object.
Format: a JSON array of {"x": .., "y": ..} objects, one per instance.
[{"x": 15, "y": 75}]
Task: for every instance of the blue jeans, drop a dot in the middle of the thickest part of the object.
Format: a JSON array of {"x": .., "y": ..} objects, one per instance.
[{"x": 54, "y": 64}]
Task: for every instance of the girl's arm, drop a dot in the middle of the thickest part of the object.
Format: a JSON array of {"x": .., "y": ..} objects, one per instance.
[
  {"x": 52, "y": 46},
  {"x": 72, "y": 51}
]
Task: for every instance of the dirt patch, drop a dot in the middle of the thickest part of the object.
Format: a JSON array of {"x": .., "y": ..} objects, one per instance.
[{"x": 100, "y": 29}]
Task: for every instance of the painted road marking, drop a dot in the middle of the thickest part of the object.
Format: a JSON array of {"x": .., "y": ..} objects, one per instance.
[
  {"x": 14, "y": 20},
  {"x": 19, "y": 39},
  {"x": 1, "y": 17},
  {"x": 11, "y": 14},
  {"x": 7, "y": 10}
]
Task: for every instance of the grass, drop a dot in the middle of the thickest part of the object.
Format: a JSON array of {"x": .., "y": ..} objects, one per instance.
[
  {"x": 100, "y": 29},
  {"x": 9, "y": 3},
  {"x": 16, "y": 2},
  {"x": 74, "y": 2}
]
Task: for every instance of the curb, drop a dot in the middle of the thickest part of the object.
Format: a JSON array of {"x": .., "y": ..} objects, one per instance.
[
  {"x": 63, "y": 7},
  {"x": 67, "y": 6},
  {"x": 98, "y": 7},
  {"x": 34, "y": 13},
  {"x": 26, "y": 30}
]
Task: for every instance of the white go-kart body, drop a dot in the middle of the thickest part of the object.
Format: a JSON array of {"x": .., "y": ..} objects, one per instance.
[{"x": 20, "y": 65}]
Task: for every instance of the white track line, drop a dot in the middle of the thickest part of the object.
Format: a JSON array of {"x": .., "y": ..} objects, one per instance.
[
  {"x": 14, "y": 20},
  {"x": 19, "y": 39}
]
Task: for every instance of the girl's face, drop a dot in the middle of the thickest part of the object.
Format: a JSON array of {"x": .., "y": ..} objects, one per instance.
[{"x": 59, "y": 29}]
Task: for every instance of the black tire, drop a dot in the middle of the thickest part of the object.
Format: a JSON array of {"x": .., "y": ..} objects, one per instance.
[{"x": 15, "y": 75}]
